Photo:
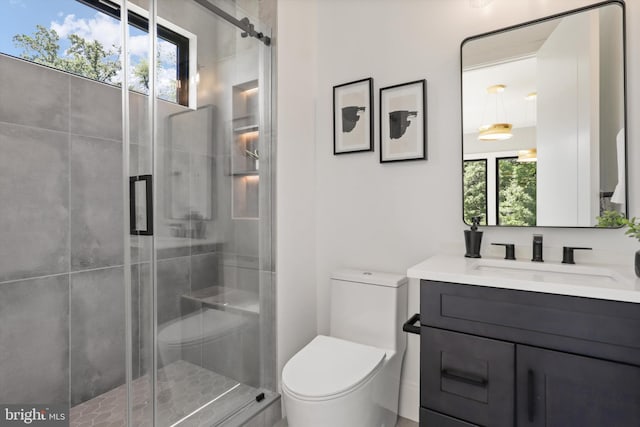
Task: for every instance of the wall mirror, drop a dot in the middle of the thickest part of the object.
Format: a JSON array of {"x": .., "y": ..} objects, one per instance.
[{"x": 543, "y": 121}]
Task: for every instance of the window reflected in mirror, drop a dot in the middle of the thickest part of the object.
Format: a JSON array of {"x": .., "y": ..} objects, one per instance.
[
  {"x": 516, "y": 192},
  {"x": 475, "y": 190}
]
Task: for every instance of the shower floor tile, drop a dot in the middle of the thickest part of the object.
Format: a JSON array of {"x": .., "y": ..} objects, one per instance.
[{"x": 185, "y": 394}]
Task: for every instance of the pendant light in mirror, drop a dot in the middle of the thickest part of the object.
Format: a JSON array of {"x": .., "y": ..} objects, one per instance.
[
  {"x": 527, "y": 156},
  {"x": 496, "y": 131}
]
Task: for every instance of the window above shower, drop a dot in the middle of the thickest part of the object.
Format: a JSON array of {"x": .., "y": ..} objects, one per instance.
[{"x": 84, "y": 37}]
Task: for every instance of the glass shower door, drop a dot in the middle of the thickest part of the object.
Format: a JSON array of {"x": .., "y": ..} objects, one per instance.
[
  {"x": 138, "y": 125},
  {"x": 136, "y": 279},
  {"x": 205, "y": 300}
]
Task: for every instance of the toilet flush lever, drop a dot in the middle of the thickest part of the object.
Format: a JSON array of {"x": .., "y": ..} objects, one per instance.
[{"x": 409, "y": 325}]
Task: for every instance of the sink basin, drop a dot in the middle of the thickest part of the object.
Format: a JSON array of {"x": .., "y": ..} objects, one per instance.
[{"x": 584, "y": 275}]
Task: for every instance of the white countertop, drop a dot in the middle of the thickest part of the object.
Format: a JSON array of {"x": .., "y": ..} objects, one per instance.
[{"x": 609, "y": 282}]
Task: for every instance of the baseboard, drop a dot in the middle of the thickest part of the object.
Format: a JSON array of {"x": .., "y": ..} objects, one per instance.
[{"x": 409, "y": 405}]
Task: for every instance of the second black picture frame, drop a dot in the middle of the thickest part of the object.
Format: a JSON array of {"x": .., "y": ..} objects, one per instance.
[
  {"x": 403, "y": 122},
  {"x": 353, "y": 117}
]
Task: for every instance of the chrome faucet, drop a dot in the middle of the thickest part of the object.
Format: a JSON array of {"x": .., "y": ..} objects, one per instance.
[{"x": 537, "y": 248}]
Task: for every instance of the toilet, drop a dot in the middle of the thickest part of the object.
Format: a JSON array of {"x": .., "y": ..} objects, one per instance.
[{"x": 351, "y": 378}]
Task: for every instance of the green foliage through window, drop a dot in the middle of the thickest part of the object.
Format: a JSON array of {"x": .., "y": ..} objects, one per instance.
[
  {"x": 86, "y": 58},
  {"x": 87, "y": 42},
  {"x": 516, "y": 192},
  {"x": 475, "y": 190}
]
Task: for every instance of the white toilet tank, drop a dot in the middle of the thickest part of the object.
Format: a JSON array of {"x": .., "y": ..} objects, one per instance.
[{"x": 369, "y": 308}]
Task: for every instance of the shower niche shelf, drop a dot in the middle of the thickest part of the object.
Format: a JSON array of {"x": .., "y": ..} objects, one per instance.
[
  {"x": 245, "y": 156},
  {"x": 245, "y": 129}
]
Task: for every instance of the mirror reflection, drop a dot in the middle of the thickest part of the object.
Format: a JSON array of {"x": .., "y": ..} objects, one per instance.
[{"x": 543, "y": 112}]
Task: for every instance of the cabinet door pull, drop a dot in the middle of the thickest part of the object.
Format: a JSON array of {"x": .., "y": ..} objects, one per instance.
[
  {"x": 464, "y": 377},
  {"x": 531, "y": 395}
]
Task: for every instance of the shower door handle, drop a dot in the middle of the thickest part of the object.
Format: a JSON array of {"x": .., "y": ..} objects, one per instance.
[{"x": 138, "y": 226}]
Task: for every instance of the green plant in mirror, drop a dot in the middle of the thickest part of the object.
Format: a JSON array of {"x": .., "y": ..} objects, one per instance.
[
  {"x": 633, "y": 231},
  {"x": 611, "y": 219},
  {"x": 634, "y": 228}
]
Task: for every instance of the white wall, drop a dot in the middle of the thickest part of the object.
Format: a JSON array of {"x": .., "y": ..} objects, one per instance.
[
  {"x": 389, "y": 217},
  {"x": 295, "y": 188},
  {"x": 611, "y": 104},
  {"x": 568, "y": 132}
]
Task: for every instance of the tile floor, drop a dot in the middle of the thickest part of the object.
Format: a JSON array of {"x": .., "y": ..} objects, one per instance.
[
  {"x": 183, "y": 388},
  {"x": 403, "y": 422}
]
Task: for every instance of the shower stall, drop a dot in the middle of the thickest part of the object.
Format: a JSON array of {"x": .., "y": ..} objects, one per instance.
[{"x": 136, "y": 257}]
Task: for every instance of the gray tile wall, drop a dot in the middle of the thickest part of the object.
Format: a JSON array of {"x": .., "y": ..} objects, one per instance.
[
  {"x": 34, "y": 189},
  {"x": 95, "y": 109},
  {"x": 39, "y": 98},
  {"x": 34, "y": 322},
  {"x": 204, "y": 271},
  {"x": 61, "y": 239},
  {"x": 97, "y": 332},
  {"x": 174, "y": 276},
  {"x": 96, "y": 203}
]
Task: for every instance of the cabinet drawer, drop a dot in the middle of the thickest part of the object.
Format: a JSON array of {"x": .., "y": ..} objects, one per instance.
[
  {"x": 429, "y": 418},
  {"x": 466, "y": 375},
  {"x": 604, "y": 329}
]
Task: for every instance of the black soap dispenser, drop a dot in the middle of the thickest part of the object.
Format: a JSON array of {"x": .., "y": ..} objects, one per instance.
[{"x": 473, "y": 239}]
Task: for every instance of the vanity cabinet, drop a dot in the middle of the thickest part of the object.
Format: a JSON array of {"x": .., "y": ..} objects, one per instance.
[
  {"x": 561, "y": 389},
  {"x": 502, "y": 357}
]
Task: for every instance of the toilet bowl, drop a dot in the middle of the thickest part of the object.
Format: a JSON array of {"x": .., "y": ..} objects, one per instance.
[
  {"x": 331, "y": 381},
  {"x": 191, "y": 332},
  {"x": 351, "y": 378}
]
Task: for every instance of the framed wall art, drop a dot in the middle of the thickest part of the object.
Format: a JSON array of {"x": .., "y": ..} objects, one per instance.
[
  {"x": 353, "y": 117},
  {"x": 403, "y": 122}
]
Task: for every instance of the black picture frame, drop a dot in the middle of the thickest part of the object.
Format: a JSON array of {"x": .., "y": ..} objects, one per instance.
[
  {"x": 403, "y": 122},
  {"x": 353, "y": 117}
]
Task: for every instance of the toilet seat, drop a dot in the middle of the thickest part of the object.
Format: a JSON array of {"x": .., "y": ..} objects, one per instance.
[{"x": 329, "y": 367}]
